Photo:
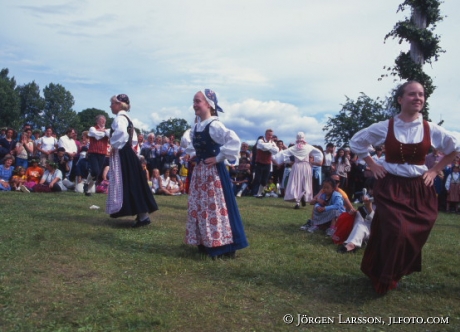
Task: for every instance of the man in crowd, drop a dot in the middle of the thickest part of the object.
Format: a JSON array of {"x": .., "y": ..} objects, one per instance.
[{"x": 266, "y": 147}]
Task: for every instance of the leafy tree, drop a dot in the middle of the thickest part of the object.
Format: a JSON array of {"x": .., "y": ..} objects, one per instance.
[
  {"x": 424, "y": 44},
  {"x": 174, "y": 127},
  {"x": 31, "y": 103},
  {"x": 354, "y": 116},
  {"x": 9, "y": 101},
  {"x": 58, "y": 111},
  {"x": 87, "y": 118}
]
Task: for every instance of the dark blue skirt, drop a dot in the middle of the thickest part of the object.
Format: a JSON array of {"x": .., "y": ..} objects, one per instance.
[{"x": 239, "y": 236}]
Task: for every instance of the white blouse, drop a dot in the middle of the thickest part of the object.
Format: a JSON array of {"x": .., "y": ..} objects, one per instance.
[
  {"x": 306, "y": 150},
  {"x": 229, "y": 141},
  {"x": 405, "y": 132},
  {"x": 120, "y": 131}
]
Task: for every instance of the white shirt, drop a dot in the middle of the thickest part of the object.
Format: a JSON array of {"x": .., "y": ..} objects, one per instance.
[
  {"x": 306, "y": 150},
  {"x": 120, "y": 131},
  {"x": 405, "y": 132},
  {"x": 97, "y": 134},
  {"x": 328, "y": 158},
  {"x": 267, "y": 146},
  {"x": 47, "y": 143},
  {"x": 68, "y": 144}
]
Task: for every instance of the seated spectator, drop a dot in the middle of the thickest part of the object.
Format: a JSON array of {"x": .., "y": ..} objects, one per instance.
[
  {"x": 64, "y": 163},
  {"x": 61, "y": 159},
  {"x": 51, "y": 179},
  {"x": 82, "y": 171},
  {"x": 103, "y": 186},
  {"x": 18, "y": 179},
  {"x": 242, "y": 177},
  {"x": 346, "y": 202},
  {"x": 270, "y": 189},
  {"x": 328, "y": 206},
  {"x": 6, "y": 172},
  {"x": 156, "y": 181},
  {"x": 175, "y": 184},
  {"x": 361, "y": 228},
  {"x": 33, "y": 173},
  {"x": 164, "y": 183}
]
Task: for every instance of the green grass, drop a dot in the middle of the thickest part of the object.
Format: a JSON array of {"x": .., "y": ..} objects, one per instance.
[{"x": 64, "y": 267}]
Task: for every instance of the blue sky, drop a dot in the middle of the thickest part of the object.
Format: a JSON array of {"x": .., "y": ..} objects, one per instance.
[{"x": 285, "y": 65}]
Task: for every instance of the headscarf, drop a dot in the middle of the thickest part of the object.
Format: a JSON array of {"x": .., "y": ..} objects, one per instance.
[
  {"x": 211, "y": 98},
  {"x": 300, "y": 140},
  {"x": 123, "y": 98}
]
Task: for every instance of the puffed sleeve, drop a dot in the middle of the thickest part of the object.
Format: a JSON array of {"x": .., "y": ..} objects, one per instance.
[
  {"x": 120, "y": 132},
  {"x": 443, "y": 140},
  {"x": 317, "y": 155},
  {"x": 361, "y": 143},
  {"x": 282, "y": 156},
  {"x": 229, "y": 140}
]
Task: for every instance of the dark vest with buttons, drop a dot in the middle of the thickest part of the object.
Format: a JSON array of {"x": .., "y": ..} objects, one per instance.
[
  {"x": 400, "y": 153},
  {"x": 204, "y": 145}
]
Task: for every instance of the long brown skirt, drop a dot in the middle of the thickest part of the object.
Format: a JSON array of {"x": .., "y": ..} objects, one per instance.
[{"x": 406, "y": 210}]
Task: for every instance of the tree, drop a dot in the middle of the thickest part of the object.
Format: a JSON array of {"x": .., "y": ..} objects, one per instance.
[
  {"x": 87, "y": 118},
  {"x": 424, "y": 44},
  {"x": 354, "y": 116},
  {"x": 9, "y": 101},
  {"x": 174, "y": 127},
  {"x": 31, "y": 103},
  {"x": 58, "y": 111}
]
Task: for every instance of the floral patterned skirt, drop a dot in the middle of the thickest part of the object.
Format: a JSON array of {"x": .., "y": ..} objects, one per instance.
[{"x": 208, "y": 221}]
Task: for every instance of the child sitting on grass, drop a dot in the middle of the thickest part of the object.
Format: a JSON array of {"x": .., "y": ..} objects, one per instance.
[
  {"x": 19, "y": 178},
  {"x": 328, "y": 207},
  {"x": 270, "y": 189}
]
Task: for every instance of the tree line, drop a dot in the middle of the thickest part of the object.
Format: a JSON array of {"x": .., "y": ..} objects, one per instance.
[{"x": 24, "y": 104}]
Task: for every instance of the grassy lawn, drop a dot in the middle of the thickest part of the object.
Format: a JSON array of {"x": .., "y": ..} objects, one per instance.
[{"x": 65, "y": 267}]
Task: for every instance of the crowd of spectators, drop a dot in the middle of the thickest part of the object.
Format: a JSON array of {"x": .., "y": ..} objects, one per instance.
[
  {"x": 34, "y": 159},
  {"x": 27, "y": 157}
]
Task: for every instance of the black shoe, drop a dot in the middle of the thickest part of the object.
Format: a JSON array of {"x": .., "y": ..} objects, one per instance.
[
  {"x": 296, "y": 207},
  {"x": 85, "y": 189},
  {"x": 140, "y": 223}
]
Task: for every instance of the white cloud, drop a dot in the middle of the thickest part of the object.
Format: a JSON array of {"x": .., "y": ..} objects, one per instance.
[{"x": 286, "y": 65}]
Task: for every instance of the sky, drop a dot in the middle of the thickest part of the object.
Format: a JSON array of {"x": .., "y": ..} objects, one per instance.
[{"x": 286, "y": 65}]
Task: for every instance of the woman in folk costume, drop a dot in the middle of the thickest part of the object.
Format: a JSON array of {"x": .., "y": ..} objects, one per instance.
[
  {"x": 129, "y": 193},
  {"x": 300, "y": 185},
  {"x": 405, "y": 199},
  {"x": 214, "y": 222}
]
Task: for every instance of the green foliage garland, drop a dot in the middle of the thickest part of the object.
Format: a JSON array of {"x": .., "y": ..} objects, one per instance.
[{"x": 426, "y": 41}]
